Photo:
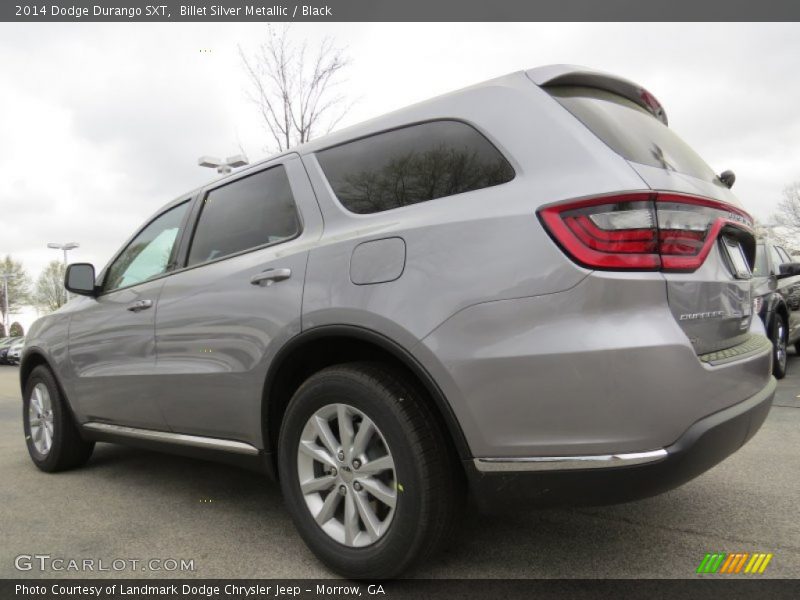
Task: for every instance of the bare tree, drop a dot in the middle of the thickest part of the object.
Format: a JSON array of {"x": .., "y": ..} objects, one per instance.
[
  {"x": 18, "y": 285},
  {"x": 786, "y": 220},
  {"x": 294, "y": 88},
  {"x": 788, "y": 213},
  {"x": 49, "y": 293}
]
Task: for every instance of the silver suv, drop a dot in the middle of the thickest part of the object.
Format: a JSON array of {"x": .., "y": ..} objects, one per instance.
[{"x": 530, "y": 290}]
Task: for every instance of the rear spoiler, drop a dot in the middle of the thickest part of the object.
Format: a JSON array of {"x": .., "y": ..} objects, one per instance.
[{"x": 553, "y": 75}]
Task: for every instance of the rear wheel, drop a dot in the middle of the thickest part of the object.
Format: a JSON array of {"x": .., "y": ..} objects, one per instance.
[
  {"x": 368, "y": 477},
  {"x": 53, "y": 439},
  {"x": 779, "y": 338}
]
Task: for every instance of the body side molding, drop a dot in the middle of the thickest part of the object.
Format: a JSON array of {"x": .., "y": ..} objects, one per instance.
[{"x": 169, "y": 437}]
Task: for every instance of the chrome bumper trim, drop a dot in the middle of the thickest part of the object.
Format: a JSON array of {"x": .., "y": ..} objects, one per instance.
[
  {"x": 566, "y": 463},
  {"x": 168, "y": 437}
]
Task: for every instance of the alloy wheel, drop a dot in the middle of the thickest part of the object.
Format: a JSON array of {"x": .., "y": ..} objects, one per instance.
[
  {"x": 40, "y": 418},
  {"x": 347, "y": 475},
  {"x": 780, "y": 343}
]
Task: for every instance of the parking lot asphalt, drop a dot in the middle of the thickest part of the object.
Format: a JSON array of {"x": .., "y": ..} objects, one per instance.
[{"x": 131, "y": 504}]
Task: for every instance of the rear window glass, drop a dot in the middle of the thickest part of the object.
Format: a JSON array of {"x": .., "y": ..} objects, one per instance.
[
  {"x": 631, "y": 131},
  {"x": 413, "y": 164}
]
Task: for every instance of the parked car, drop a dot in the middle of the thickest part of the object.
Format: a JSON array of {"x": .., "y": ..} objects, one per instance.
[
  {"x": 530, "y": 290},
  {"x": 5, "y": 344},
  {"x": 14, "y": 351},
  {"x": 776, "y": 292}
]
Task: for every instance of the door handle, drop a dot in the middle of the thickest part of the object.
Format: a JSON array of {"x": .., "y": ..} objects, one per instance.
[
  {"x": 140, "y": 305},
  {"x": 270, "y": 276}
]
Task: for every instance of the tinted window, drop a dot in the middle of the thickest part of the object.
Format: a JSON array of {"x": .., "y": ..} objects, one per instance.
[
  {"x": 631, "y": 131},
  {"x": 248, "y": 213},
  {"x": 412, "y": 165},
  {"x": 148, "y": 255},
  {"x": 777, "y": 260},
  {"x": 760, "y": 269}
]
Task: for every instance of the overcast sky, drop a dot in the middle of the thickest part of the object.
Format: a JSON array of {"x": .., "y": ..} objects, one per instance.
[{"x": 101, "y": 124}]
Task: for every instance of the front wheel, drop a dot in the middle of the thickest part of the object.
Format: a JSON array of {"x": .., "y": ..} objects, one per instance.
[
  {"x": 53, "y": 439},
  {"x": 366, "y": 471},
  {"x": 779, "y": 339}
]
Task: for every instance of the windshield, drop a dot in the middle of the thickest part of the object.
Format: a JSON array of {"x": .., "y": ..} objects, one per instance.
[{"x": 760, "y": 268}]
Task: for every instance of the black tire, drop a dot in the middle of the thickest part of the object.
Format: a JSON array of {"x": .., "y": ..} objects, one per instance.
[
  {"x": 779, "y": 334},
  {"x": 68, "y": 449},
  {"x": 432, "y": 491}
]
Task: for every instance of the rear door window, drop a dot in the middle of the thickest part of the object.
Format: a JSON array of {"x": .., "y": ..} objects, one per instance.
[
  {"x": 252, "y": 212},
  {"x": 411, "y": 165},
  {"x": 631, "y": 131}
]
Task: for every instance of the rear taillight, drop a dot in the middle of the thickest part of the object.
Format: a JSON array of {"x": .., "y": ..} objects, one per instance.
[{"x": 641, "y": 231}]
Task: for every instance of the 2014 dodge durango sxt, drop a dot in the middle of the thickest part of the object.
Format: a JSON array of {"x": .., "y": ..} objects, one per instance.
[{"x": 527, "y": 290}]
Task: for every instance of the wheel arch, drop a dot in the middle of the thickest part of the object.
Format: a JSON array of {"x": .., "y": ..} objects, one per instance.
[
  {"x": 777, "y": 307},
  {"x": 327, "y": 345},
  {"x": 32, "y": 358}
]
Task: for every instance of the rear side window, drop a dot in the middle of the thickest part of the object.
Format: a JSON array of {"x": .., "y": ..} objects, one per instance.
[
  {"x": 631, "y": 131},
  {"x": 255, "y": 211},
  {"x": 411, "y": 165}
]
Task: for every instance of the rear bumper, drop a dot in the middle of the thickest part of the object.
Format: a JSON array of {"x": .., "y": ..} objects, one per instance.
[
  {"x": 601, "y": 480},
  {"x": 601, "y": 368}
]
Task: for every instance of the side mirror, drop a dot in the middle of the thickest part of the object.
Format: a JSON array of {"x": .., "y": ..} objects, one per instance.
[
  {"x": 79, "y": 279},
  {"x": 788, "y": 270}
]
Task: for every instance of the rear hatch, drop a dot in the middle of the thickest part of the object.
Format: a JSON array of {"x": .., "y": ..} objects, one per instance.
[{"x": 689, "y": 226}]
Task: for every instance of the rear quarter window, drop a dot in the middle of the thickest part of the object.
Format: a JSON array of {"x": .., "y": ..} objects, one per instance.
[
  {"x": 411, "y": 165},
  {"x": 631, "y": 131}
]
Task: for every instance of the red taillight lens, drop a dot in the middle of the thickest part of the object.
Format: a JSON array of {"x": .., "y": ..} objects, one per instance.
[{"x": 643, "y": 231}]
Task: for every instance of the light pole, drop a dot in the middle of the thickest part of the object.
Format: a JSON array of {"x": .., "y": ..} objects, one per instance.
[
  {"x": 223, "y": 167},
  {"x": 6, "y": 277},
  {"x": 66, "y": 248}
]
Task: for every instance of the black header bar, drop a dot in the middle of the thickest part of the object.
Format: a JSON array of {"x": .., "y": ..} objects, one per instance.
[
  {"x": 399, "y": 10},
  {"x": 738, "y": 588}
]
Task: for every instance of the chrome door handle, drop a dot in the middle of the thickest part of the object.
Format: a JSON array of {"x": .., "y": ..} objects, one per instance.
[
  {"x": 140, "y": 305},
  {"x": 270, "y": 276}
]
